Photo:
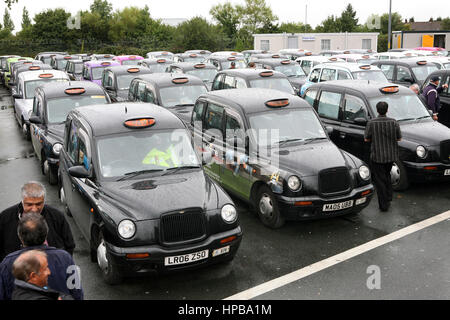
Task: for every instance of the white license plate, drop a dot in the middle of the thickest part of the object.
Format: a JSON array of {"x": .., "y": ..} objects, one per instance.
[
  {"x": 220, "y": 251},
  {"x": 338, "y": 206},
  {"x": 447, "y": 172},
  {"x": 186, "y": 258}
]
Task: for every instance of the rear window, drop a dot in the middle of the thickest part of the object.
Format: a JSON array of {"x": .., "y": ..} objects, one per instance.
[
  {"x": 375, "y": 75},
  {"x": 422, "y": 72},
  {"x": 130, "y": 62},
  {"x": 58, "y": 108},
  {"x": 30, "y": 86},
  {"x": 277, "y": 84}
]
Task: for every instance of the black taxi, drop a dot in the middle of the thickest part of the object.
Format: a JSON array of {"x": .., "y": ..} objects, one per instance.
[
  {"x": 289, "y": 68},
  {"x": 156, "y": 65},
  {"x": 444, "y": 96},
  {"x": 174, "y": 91},
  {"x": 52, "y": 102},
  {"x": 252, "y": 78},
  {"x": 406, "y": 71},
  {"x": 74, "y": 69},
  {"x": 59, "y": 61},
  {"x": 271, "y": 150},
  {"x": 205, "y": 71},
  {"x": 226, "y": 62},
  {"x": 347, "y": 105},
  {"x": 117, "y": 79},
  {"x": 141, "y": 197}
]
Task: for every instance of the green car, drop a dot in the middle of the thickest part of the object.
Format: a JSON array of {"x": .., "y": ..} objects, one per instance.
[{"x": 9, "y": 62}]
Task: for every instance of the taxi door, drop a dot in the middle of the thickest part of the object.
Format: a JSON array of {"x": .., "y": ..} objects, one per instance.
[
  {"x": 328, "y": 106},
  {"x": 444, "y": 112},
  {"x": 354, "y": 119},
  {"x": 212, "y": 139},
  {"x": 36, "y": 129}
]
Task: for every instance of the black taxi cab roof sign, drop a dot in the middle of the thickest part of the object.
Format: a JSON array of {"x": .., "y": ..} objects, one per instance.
[
  {"x": 231, "y": 58},
  {"x": 161, "y": 61},
  {"x": 75, "y": 91},
  {"x": 192, "y": 55},
  {"x": 266, "y": 74},
  {"x": 279, "y": 103},
  {"x": 389, "y": 89},
  {"x": 199, "y": 65},
  {"x": 132, "y": 57},
  {"x": 366, "y": 56},
  {"x": 46, "y": 75},
  {"x": 276, "y": 56},
  {"x": 34, "y": 68},
  {"x": 139, "y": 123},
  {"x": 68, "y": 57},
  {"x": 308, "y": 54},
  {"x": 286, "y": 62},
  {"x": 180, "y": 80},
  {"x": 421, "y": 63},
  {"x": 106, "y": 63},
  {"x": 365, "y": 67},
  {"x": 133, "y": 70},
  {"x": 332, "y": 59}
]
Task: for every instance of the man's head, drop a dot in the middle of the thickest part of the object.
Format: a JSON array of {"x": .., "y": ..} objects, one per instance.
[
  {"x": 435, "y": 80},
  {"x": 33, "y": 197},
  {"x": 233, "y": 65},
  {"x": 415, "y": 88},
  {"x": 32, "y": 230},
  {"x": 32, "y": 267},
  {"x": 382, "y": 108},
  {"x": 251, "y": 65}
]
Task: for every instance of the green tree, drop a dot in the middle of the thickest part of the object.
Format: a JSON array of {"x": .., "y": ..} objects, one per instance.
[
  {"x": 103, "y": 8},
  {"x": 228, "y": 18},
  {"x": 330, "y": 24},
  {"x": 348, "y": 21},
  {"x": 10, "y": 2},
  {"x": 295, "y": 27},
  {"x": 256, "y": 15},
  {"x": 445, "y": 24},
  {"x": 26, "y": 21},
  {"x": 7, "y": 21}
]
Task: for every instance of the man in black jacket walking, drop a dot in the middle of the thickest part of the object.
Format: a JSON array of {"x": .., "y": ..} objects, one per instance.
[{"x": 33, "y": 200}]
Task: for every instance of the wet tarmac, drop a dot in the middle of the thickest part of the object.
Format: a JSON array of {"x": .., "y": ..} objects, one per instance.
[{"x": 414, "y": 267}]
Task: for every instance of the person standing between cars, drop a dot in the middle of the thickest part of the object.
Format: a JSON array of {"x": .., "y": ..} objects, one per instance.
[
  {"x": 33, "y": 201},
  {"x": 31, "y": 272},
  {"x": 383, "y": 133},
  {"x": 415, "y": 88},
  {"x": 32, "y": 232},
  {"x": 431, "y": 95}
]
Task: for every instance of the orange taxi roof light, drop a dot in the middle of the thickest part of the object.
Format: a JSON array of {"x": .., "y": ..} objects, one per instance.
[
  {"x": 333, "y": 59},
  {"x": 234, "y": 53},
  {"x": 133, "y": 70},
  {"x": 308, "y": 54},
  {"x": 366, "y": 56},
  {"x": 68, "y": 57},
  {"x": 277, "y": 103},
  {"x": 34, "y": 68},
  {"x": 200, "y": 66},
  {"x": 180, "y": 80},
  {"x": 346, "y": 52},
  {"x": 139, "y": 123},
  {"x": 161, "y": 61},
  {"x": 46, "y": 75},
  {"x": 132, "y": 57},
  {"x": 192, "y": 55},
  {"x": 231, "y": 58},
  {"x": 106, "y": 63},
  {"x": 391, "y": 89},
  {"x": 421, "y": 63},
  {"x": 286, "y": 62},
  {"x": 275, "y": 56},
  {"x": 73, "y": 91},
  {"x": 164, "y": 52},
  {"x": 365, "y": 67},
  {"x": 266, "y": 74}
]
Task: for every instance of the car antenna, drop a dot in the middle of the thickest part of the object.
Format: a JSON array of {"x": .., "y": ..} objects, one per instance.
[{"x": 126, "y": 110}]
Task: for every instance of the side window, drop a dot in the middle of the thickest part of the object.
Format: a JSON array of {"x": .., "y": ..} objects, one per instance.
[
  {"x": 233, "y": 128},
  {"x": 388, "y": 70},
  {"x": 328, "y": 75},
  {"x": 217, "y": 82},
  {"x": 140, "y": 94},
  {"x": 109, "y": 79},
  {"x": 85, "y": 73},
  {"x": 104, "y": 78},
  {"x": 403, "y": 73},
  {"x": 149, "y": 96},
  {"x": 72, "y": 144},
  {"x": 214, "y": 117},
  {"x": 240, "y": 83},
  {"x": 446, "y": 92},
  {"x": 198, "y": 112},
  {"x": 310, "y": 96},
  {"x": 83, "y": 158},
  {"x": 342, "y": 75},
  {"x": 132, "y": 90},
  {"x": 354, "y": 108},
  {"x": 314, "y": 76},
  {"x": 35, "y": 106},
  {"x": 329, "y": 105},
  {"x": 306, "y": 66},
  {"x": 229, "y": 82}
]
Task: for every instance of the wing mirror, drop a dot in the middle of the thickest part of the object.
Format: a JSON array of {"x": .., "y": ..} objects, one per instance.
[
  {"x": 35, "y": 120},
  {"x": 17, "y": 96},
  {"x": 79, "y": 172},
  {"x": 360, "y": 121}
]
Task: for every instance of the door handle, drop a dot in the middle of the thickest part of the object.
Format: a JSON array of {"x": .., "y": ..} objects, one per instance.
[{"x": 342, "y": 135}]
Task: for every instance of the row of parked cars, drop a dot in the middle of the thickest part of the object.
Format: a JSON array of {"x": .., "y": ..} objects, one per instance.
[{"x": 146, "y": 160}]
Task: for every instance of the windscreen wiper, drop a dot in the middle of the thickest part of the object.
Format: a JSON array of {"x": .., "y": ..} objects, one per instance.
[
  {"x": 314, "y": 139},
  {"x": 133, "y": 174},
  {"x": 176, "y": 169},
  {"x": 408, "y": 119},
  {"x": 283, "y": 142}
]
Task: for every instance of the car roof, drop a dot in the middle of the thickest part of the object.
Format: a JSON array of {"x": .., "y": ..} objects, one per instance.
[
  {"x": 277, "y": 62},
  {"x": 165, "y": 79},
  {"x": 128, "y": 57},
  {"x": 319, "y": 59},
  {"x": 348, "y": 66},
  {"x": 252, "y": 73},
  {"x": 225, "y": 58},
  {"x": 98, "y": 63},
  {"x": 191, "y": 65},
  {"x": 412, "y": 62},
  {"x": 252, "y": 100},
  {"x": 353, "y": 55},
  {"x": 155, "y": 61},
  {"x": 64, "y": 56},
  {"x": 56, "y": 89},
  {"x": 368, "y": 88},
  {"x": 124, "y": 69},
  {"x": 34, "y": 75},
  {"x": 118, "y": 113}
]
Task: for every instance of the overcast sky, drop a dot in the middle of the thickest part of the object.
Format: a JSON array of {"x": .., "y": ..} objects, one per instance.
[{"x": 286, "y": 10}]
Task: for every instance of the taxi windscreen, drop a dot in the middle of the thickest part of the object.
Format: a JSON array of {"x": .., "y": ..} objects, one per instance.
[
  {"x": 374, "y": 75},
  {"x": 291, "y": 70},
  {"x": 133, "y": 152},
  {"x": 130, "y": 62},
  {"x": 58, "y": 108},
  {"x": 291, "y": 125},
  {"x": 402, "y": 107},
  {"x": 47, "y": 60},
  {"x": 281, "y": 84},
  {"x": 97, "y": 73},
  {"x": 422, "y": 72},
  {"x": 192, "y": 59},
  {"x": 30, "y": 86},
  {"x": 239, "y": 64},
  {"x": 158, "y": 68},
  {"x": 124, "y": 80},
  {"x": 446, "y": 66},
  {"x": 61, "y": 64},
  {"x": 207, "y": 75},
  {"x": 181, "y": 95},
  {"x": 79, "y": 68}
]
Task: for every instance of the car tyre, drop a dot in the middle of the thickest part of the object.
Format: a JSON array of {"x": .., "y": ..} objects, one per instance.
[
  {"x": 110, "y": 272},
  {"x": 399, "y": 177},
  {"x": 267, "y": 208}
]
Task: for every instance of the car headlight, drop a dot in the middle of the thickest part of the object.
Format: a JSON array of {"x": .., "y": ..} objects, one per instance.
[
  {"x": 294, "y": 183},
  {"x": 229, "y": 213},
  {"x": 364, "y": 172},
  {"x": 126, "y": 229},
  {"x": 421, "y": 152},
  {"x": 57, "y": 148}
]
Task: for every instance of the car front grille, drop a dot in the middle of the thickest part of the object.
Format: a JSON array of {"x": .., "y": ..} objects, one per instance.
[
  {"x": 334, "y": 181},
  {"x": 445, "y": 151},
  {"x": 182, "y": 226}
]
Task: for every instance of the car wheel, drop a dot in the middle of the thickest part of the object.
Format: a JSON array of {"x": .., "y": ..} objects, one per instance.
[
  {"x": 267, "y": 208},
  {"x": 399, "y": 177},
  {"x": 52, "y": 176},
  {"x": 110, "y": 272}
]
